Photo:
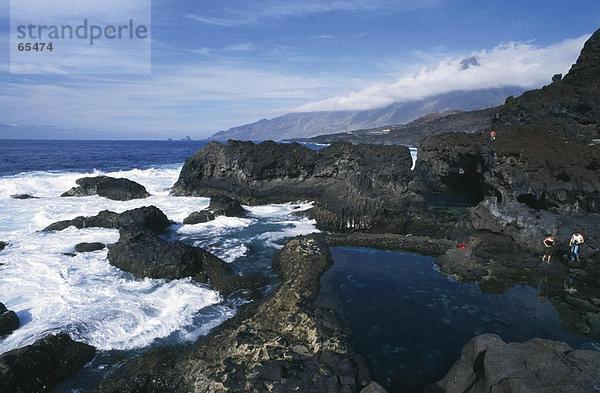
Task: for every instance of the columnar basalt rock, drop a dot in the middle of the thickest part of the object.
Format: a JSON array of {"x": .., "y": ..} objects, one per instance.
[{"x": 355, "y": 186}]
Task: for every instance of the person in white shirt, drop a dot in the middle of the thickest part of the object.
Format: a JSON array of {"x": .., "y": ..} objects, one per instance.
[{"x": 576, "y": 241}]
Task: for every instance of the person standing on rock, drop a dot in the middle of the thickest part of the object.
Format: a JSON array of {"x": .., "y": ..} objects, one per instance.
[
  {"x": 549, "y": 244},
  {"x": 576, "y": 241},
  {"x": 492, "y": 135}
]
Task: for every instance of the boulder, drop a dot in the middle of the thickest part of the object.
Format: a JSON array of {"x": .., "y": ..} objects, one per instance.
[
  {"x": 356, "y": 187},
  {"x": 9, "y": 321},
  {"x": 144, "y": 254},
  {"x": 119, "y": 189},
  {"x": 43, "y": 364},
  {"x": 89, "y": 247},
  {"x": 537, "y": 366},
  {"x": 220, "y": 205},
  {"x": 3, "y": 245},
  {"x": 148, "y": 217}
]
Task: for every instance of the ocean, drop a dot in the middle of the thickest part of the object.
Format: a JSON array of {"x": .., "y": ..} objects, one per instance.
[{"x": 84, "y": 295}]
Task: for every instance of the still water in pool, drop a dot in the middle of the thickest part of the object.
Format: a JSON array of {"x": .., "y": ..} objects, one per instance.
[{"x": 410, "y": 321}]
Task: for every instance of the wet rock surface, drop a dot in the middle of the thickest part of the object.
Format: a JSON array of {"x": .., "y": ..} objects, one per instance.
[
  {"x": 148, "y": 217},
  {"x": 220, "y": 205},
  {"x": 282, "y": 343},
  {"x": 3, "y": 245},
  {"x": 9, "y": 321},
  {"x": 118, "y": 189},
  {"x": 145, "y": 254},
  {"x": 40, "y": 366},
  {"x": 89, "y": 247},
  {"x": 355, "y": 186},
  {"x": 537, "y": 366}
]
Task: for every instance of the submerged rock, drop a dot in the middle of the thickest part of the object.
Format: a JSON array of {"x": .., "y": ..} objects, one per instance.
[
  {"x": 23, "y": 196},
  {"x": 536, "y": 366},
  {"x": 148, "y": 217},
  {"x": 9, "y": 321},
  {"x": 89, "y": 247},
  {"x": 3, "y": 245},
  {"x": 40, "y": 366},
  {"x": 283, "y": 343},
  {"x": 144, "y": 254},
  {"x": 220, "y": 205},
  {"x": 119, "y": 189},
  {"x": 355, "y": 186}
]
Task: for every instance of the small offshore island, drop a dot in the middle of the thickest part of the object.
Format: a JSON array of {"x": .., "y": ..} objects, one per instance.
[{"x": 497, "y": 198}]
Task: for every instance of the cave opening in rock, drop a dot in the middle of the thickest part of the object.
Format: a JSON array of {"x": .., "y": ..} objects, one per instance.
[{"x": 467, "y": 184}]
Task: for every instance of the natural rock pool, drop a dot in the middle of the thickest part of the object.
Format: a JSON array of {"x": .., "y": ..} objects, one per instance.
[{"x": 410, "y": 321}]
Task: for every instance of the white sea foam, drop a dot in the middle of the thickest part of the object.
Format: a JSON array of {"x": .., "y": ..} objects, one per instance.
[{"x": 84, "y": 295}]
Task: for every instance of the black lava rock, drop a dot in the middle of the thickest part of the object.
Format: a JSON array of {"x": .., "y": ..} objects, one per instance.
[
  {"x": 40, "y": 366},
  {"x": 148, "y": 217},
  {"x": 89, "y": 247},
  {"x": 3, "y": 245},
  {"x": 118, "y": 189},
  {"x": 144, "y": 254},
  {"x": 23, "y": 196},
  {"x": 220, "y": 205},
  {"x": 9, "y": 321}
]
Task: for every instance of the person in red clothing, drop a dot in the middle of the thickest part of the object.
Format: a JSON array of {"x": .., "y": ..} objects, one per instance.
[{"x": 492, "y": 135}]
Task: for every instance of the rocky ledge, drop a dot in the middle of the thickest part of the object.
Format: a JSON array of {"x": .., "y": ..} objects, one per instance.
[
  {"x": 41, "y": 365},
  {"x": 488, "y": 364},
  {"x": 282, "y": 343},
  {"x": 355, "y": 187},
  {"x": 118, "y": 189},
  {"x": 220, "y": 205},
  {"x": 9, "y": 321}
]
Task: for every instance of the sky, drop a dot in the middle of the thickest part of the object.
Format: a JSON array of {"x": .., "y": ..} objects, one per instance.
[{"x": 216, "y": 65}]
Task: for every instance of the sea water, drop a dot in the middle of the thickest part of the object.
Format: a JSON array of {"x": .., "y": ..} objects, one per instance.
[
  {"x": 84, "y": 295},
  {"x": 411, "y": 322}
]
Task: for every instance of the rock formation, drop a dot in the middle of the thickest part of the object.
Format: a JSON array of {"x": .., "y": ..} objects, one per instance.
[
  {"x": 144, "y": 254},
  {"x": 89, "y": 247},
  {"x": 149, "y": 217},
  {"x": 3, "y": 245},
  {"x": 280, "y": 344},
  {"x": 118, "y": 189},
  {"x": 355, "y": 186},
  {"x": 9, "y": 321},
  {"x": 488, "y": 364},
  {"x": 220, "y": 205},
  {"x": 41, "y": 365}
]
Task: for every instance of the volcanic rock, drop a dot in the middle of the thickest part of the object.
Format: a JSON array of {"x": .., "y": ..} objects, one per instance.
[
  {"x": 3, "y": 245},
  {"x": 148, "y": 217},
  {"x": 118, "y": 189},
  {"x": 89, "y": 247},
  {"x": 40, "y": 366},
  {"x": 283, "y": 343},
  {"x": 144, "y": 254},
  {"x": 537, "y": 366},
  {"x": 23, "y": 196},
  {"x": 355, "y": 186},
  {"x": 220, "y": 205},
  {"x": 9, "y": 321}
]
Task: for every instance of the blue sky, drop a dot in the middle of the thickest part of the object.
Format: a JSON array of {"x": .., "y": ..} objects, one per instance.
[{"x": 220, "y": 64}]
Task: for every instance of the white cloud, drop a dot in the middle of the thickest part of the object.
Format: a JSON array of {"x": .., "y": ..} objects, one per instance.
[
  {"x": 510, "y": 64},
  {"x": 243, "y": 12},
  {"x": 243, "y": 47}
]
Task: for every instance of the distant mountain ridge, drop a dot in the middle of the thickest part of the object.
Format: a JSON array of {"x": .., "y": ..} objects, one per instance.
[{"x": 310, "y": 124}]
